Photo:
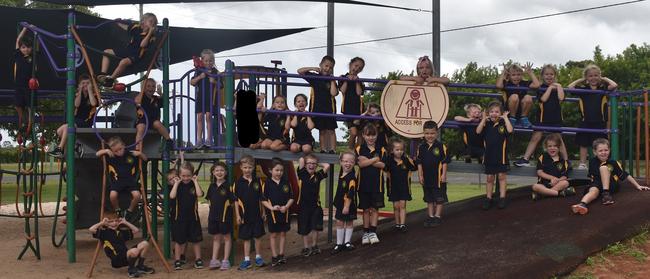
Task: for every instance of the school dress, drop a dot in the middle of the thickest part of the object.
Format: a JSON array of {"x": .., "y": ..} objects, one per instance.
[
  {"x": 151, "y": 107},
  {"x": 593, "y": 108},
  {"x": 371, "y": 179},
  {"x": 204, "y": 92},
  {"x": 549, "y": 112},
  {"x": 398, "y": 183},
  {"x": 302, "y": 133},
  {"x": 352, "y": 103},
  {"x": 220, "y": 217},
  {"x": 310, "y": 216},
  {"x": 495, "y": 140},
  {"x": 187, "y": 224},
  {"x": 320, "y": 100},
  {"x": 346, "y": 190},
  {"x": 275, "y": 127},
  {"x": 277, "y": 193}
]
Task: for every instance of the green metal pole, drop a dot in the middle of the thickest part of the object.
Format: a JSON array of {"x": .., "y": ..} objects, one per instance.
[
  {"x": 69, "y": 157},
  {"x": 630, "y": 134},
  {"x": 613, "y": 104},
  {"x": 154, "y": 199},
  {"x": 229, "y": 88},
  {"x": 165, "y": 155}
]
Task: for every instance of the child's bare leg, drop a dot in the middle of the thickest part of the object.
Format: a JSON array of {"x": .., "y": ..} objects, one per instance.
[
  {"x": 352, "y": 137},
  {"x": 396, "y": 212},
  {"x": 431, "y": 209},
  {"x": 591, "y": 195},
  {"x": 161, "y": 129},
  {"x": 135, "y": 198},
  {"x": 199, "y": 128},
  {"x": 106, "y": 61},
  {"x": 306, "y": 240},
  {"x": 503, "y": 186},
  {"x": 121, "y": 67},
  {"x": 283, "y": 239},
  {"x": 307, "y": 148},
  {"x": 314, "y": 238},
  {"x": 63, "y": 134},
  {"x": 332, "y": 140},
  {"x": 272, "y": 241},
  {"x": 513, "y": 104},
  {"x": 179, "y": 249},
  {"x": 115, "y": 199},
  {"x": 139, "y": 131},
  {"x": 295, "y": 148},
  {"x": 438, "y": 210},
  {"x": 142, "y": 247},
  {"x": 247, "y": 248},
  {"x": 227, "y": 246},
  {"x": 266, "y": 144},
  {"x": 374, "y": 217},
  {"x": 605, "y": 174},
  {"x": 526, "y": 105},
  {"x": 489, "y": 186},
  {"x": 532, "y": 144},
  {"x": 561, "y": 186},
  {"x": 258, "y": 247},
  {"x": 366, "y": 218},
  {"x": 402, "y": 212},
  {"x": 216, "y": 245},
  {"x": 208, "y": 126},
  {"x": 278, "y": 145},
  {"x": 539, "y": 188},
  {"x": 583, "y": 154},
  {"x": 322, "y": 136},
  {"x": 197, "y": 250}
]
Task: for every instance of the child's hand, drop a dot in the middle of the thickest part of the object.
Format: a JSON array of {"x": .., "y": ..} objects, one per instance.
[
  {"x": 345, "y": 210},
  {"x": 505, "y": 114},
  {"x": 176, "y": 180},
  {"x": 528, "y": 67},
  {"x": 443, "y": 178},
  {"x": 283, "y": 209},
  {"x": 643, "y": 188},
  {"x": 140, "y": 113},
  {"x": 122, "y": 221},
  {"x": 159, "y": 89},
  {"x": 504, "y": 72},
  {"x": 105, "y": 222},
  {"x": 556, "y": 85},
  {"x": 485, "y": 115},
  {"x": 419, "y": 80},
  {"x": 110, "y": 153},
  {"x": 276, "y": 208},
  {"x": 554, "y": 181},
  {"x": 264, "y": 217},
  {"x": 195, "y": 178}
]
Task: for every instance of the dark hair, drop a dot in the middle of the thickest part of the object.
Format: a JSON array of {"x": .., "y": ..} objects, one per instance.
[
  {"x": 554, "y": 137},
  {"x": 357, "y": 59},
  {"x": 373, "y": 105},
  {"x": 172, "y": 171},
  {"x": 26, "y": 41},
  {"x": 395, "y": 140},
  {"x": 599, "y": 141},
  {"x": 214, "y": 166},
  {"x": 493, "y": 105},
  {"x": 369, "y": 130},
  {"x": 430, "y": 125},
  {"x": 276, "y": 161},
  {"x": 83, "y": 76},
  {"x": 299, "y": 95},
  {"x": 328, "y": 58}
]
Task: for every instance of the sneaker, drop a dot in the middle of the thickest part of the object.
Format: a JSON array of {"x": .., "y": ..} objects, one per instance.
[
  {"x": 513, "y": 121},
  {"x": 214, "y": 264},
  {"x": 259, "y": 262},
  {"x": 487, "y": 203},
  {"x": 178, "y": 265},
  {"x": 331, "y": 152},
  {"x": 525, "y": 122},
  {"x": 337, "y": 249},
  {"x": 315, "y": 250},
  {"x": 79, "y": 149},
  {"x": 582, "y": 166},
  {"x": 536, "y": 196},
  {"x": 373, "y": 238},
  {"x": 119, "y": 213},
  {"x": 607, "y": 198},
  {"x": 436, "y": 221},
  {"x": 225, "y": 265},
  {"x": 198, "y": 264},
  {"x": 501, "y": 204},
  {"x": 244, "y": 265},
  {"x": 143, "y": 269},
  {"x": 306, "y": 252},
  {"x": 579, "y": 209},
  {"x": 468, "y": 160},
  {"x": 169, "y": 143},
  {"x": 569, "y": 191},
  {"x": 56, "y": 153},
  {"x": 350, "y": 247},
  {"x": 133, "y": 272},
  {"x": 282, "y": 259},
  {"x": 521, "y": 162},
  {"x": 427, "y": 222},
  {"x": 275, "y": 261},
  {"x": 365, "y": 239},
  {"x": 403, "y": 228},
  {"x": 183, "y": 259}
]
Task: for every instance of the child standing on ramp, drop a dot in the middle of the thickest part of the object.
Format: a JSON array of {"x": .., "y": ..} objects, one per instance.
[
  {"x": 345, "y": 203},
  {"x": 432, "y": 159},
  {"x": 399, "y": 166},
  {"x": 186, "y": 224}
]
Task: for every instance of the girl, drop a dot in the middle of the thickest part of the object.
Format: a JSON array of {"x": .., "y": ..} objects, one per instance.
[
  {"x": 220, "y": 217},
  {"x": 552, "y": 171},
  {"x": 147, "y": 102},
  {"x": 85, "y": 102},
  {"x": 550, "y": 113},
  {"x": 593, "y": 107},
  {"x": 399, "y": 167},
  {"x": 322, "y": 101},
  {"x": 345, "y": 202},
  {"x": 352, "y": 91},
  {"x": 473, "y": 142},
  {"x": 186, "y": 224},
  {"x": 277, "y": 125},
  {"x": 380, "y": 125},
  {"x": 518, "y": 101},
  {"x": 206, "y": 89},
  {"x": 495, "y": 129},
  {"x": 302, "y": 139},
  {"x": 277, "y": 198},
  {"x": 425, "y": 73}
]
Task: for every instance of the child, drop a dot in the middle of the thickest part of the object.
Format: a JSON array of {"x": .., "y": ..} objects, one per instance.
[
  {"x": 248, "y": 191},
  {"x": 22, "y": 74},
  {"x": 517, "y": 101},
  {"x": 345, "y": 202},
  {"x": 380, "y": 125},
  {"x": 552, "y": 171},
  {"x": 140, "y": 36},
  {"x": 206, "y": 89},
  {"x": 425, "y": 73},
  {"x": 495, "y": 133},
  {"x": 432, "y": 160},
  {"x": 593, "y": 107},
  {"x": 473, "y": 142},
  {"x": 352, "y": 91},
  {"x": 220, "y": 217},
  {"x": 121, "y": 170},
  {"x": 261, "y": 98},
  {"x": 85, "y": 102},
  {"x": 322, "y": 101},
  {"x": 186, "y": 223},
  {"x": 399, "y": 166},
  {"x": 371, "y": 182},
  {"x": 147, "y": 102},
  {"x": 550, "y": 99},
  {"x": 278, "y": 198},
  {"x": 310, "y": 216},
  {"x": 302, "y": 139},
  {"x": 114, "y": 232},
  {"x": 605, "y": 174},
  {"x": 277, "y": 132}
]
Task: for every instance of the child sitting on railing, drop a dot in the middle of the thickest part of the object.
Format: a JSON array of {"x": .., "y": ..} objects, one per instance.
[
  {"x": 473, "y": 142},
  {"x": 518, "y": 102},
  {"x": 302, "y": 140},
  {"x": 147, "y": 102}
]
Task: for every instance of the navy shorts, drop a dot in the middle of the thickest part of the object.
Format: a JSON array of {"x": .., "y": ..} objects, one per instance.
[
  {"x": 132, "y": 53},
  {"x": 371, "y": 200},
  {"x": 187, "y": 231},
  {"x": 436, "y": 195},
  {"x": 218, "y": 227},
  {"x": 310, "y": 219},
  {"x": 250, "y": 230},
  {"x": 23, "y": 98}
]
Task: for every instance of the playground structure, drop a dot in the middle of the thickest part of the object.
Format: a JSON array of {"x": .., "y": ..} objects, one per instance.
[{"x": 178, "y": 116}]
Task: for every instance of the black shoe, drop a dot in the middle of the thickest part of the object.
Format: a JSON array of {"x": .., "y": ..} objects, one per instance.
[
  {"x": 403, "y": 228},
  {"x": 427, "y": 222},
  {"x": 487, "y": 203},
  {"x": 468, "y": 160},
  {"x": 337, "y": 249},
  {"x": 178, "y": 265},
  {"x": 349, "y": 246},
  {"x": 331, "y": 152},
  {"x": 79, "y": 149},
  {"x": 275, "y": 261},
  {"x": 282, "y": 259},
  {"x": 133, "y": 272},
  {"x": 198, "y": 264},
  {"x": 56, "y": 153},
  {"x": 306, "y": 252},
  {"x": 436, "y": 221},
  {"x": 502, "y": 203},
  {"x": 323, "y": 151},
  {"x": 143, "y": 269},
  {"x": 315, "y": 250}
]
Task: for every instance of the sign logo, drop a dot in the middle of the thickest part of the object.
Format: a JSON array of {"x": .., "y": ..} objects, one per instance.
[{"x": 406, "y": 106}]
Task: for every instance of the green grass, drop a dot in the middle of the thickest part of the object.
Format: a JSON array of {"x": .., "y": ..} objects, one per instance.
[{"x": 49, "y": 192}]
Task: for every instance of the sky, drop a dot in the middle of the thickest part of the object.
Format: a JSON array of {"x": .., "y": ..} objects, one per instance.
[{"x": 547, "y": 40}]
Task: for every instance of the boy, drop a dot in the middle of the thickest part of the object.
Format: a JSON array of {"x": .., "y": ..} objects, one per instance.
[
  {"x": 147, "y": 102},
  {"x": 371, "y": 182},
  {"x": 121, "y": 170},
  {"x": 140, "y": 35},
  {"x": 473, "y": 142},
  {"x": 22, "y": 74},
  {"x": 432, "y": 160},
  {"x": 114, "y": 240},
  {"x": 605, "y": 174},
  {"x": 248, "y": 191},
  {"x": 310, "y": 216},
  {"x": 517, "y": 101}
]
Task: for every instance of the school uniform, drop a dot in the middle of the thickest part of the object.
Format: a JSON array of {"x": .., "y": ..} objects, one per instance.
[
  {"x": 275, "y": 127},
  {"x": 549, "y": 166},
  {"x": 302, "y": 133},
  {"x": 495, "y": 139},
  {"x": 550, "y": 112},
  {"x": 114, "y": 244},
  {"x": 249, "y": 195},
  {"x": 370, "y": 179},
  {"x": 132, "y": 50},
  {"x": 22, "y": 73},
  {"x": 399, "y": 181},
  {"x": 346, "y": 190},
  {"x": 320, "y": 100},
  {"x": 473, "y": 141},
  {"x": 310, "y": 216},
  {"x": 204, "y": 92},
  {"x": 617, "y": 174},
  {"x": 221, "y": 200},
  {"x": 593, "y": 108},
  {"x": 84, "y": 113},
  {"x": 383, "y": 132},
  {"x": 352, "y": 104},
  {"x": 432, "y": 157},
  {"x": 121, "y": 173},
  {"x": 521, "y": 93},
  {"x": 186, "y": 226},
  {"x": 151, "y": 107},
  {"x": 277, "y": 194}
]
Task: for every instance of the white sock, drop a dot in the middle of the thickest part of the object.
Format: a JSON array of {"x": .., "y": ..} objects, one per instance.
[
  {"x": 258, "y": 256},
  {"x": 247, "y": 258},
  {"x": 348, "y": 234},
  {"x": 340, "y": 234}
]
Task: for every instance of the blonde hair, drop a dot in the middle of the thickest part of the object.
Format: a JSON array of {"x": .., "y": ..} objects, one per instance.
[
  {"x": 207, "y": 51},
  {"x": 247, "y": 159},
  {"x": 467, "y": 107},
  {"x": 425, "y": 59},
  {"x": 348, "y": 152},
  {"x": 115, "y": 140},
  {"x": 548, "y": 67},
  {"x": 589, "y": 68},
  {"x": 148, "y": 16}
]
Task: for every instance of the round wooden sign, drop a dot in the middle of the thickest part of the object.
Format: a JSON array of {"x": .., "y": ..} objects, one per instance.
[{"x": 406, "y": 106}]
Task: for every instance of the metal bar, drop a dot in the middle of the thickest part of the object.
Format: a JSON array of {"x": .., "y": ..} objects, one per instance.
[
  {"x": 229, "y": 87},
  {"x": 165, "y": 160},
  {"x": 330, "y": 28},
  {"x": 613, "y": 102},
  {"x": 435, "y": 36},
  {"x": 70, "y": 169}
]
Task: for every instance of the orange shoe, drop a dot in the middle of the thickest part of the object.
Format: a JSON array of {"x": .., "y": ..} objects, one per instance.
[{"x": 579, "y": 209}]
